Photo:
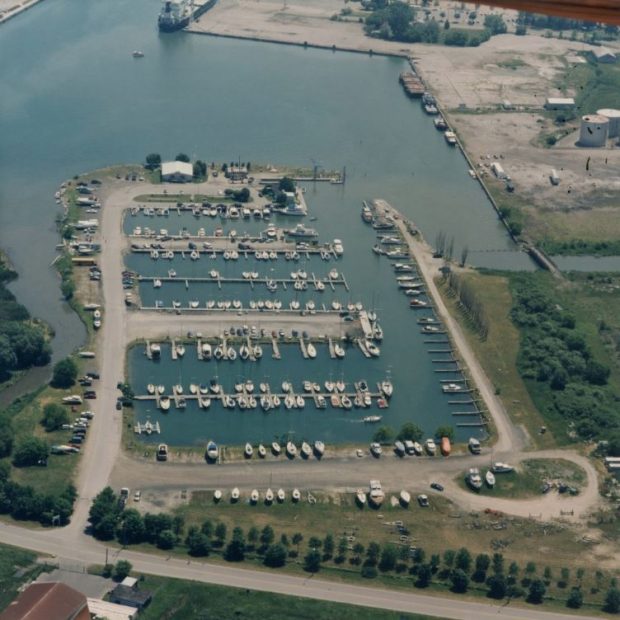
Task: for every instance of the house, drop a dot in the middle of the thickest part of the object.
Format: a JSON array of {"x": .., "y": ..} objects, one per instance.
[
  {"x": 237, "y": 173},
  {"x": 177, "y": 172},
  {"x": 560, "y": 103},
  {"x": 127, "y": 593},
  {"x": 603, "y": 54},
  {"x": 48, "y": 601}
]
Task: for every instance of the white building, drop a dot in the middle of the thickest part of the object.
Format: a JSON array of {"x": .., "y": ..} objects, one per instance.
[
  {"x": 594, "y": 131},
  {"x": 560, "y": 103},
  {"x": 498, "y": 170},
  {"x": 603, "y": 54},
  {"x": 614, "y": 121},
  {"x": 177, "y": 172}
]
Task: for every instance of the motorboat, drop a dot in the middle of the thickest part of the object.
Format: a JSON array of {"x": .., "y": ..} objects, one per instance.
[
  {"x": 451, "y": 388},
  {"x": 137, "y": 54},
  {"x": 150, "y": 388},
  {"x": 473, "y": 479},
  {"x": 311, "y": 350},
  {"x": 399, "y": 448},
  {"x": 217, "y": 495},
  {"x": 404, "y": 498},
  {"x": 254, "y": 496},
  {"x": 212, "y": 451},
  {"x": 161, "y": 389},
  {"x": 376, "y": 495},
  {"x": 248, "y": 451},
  {"x": 164, "y": 403},
  {"x": 262, "y": 452},
  {"x": 430, "y": 446},
  {"x": 269, "y": 496},
  {"x": 203, "y": 388},
  {"x": 281, "y": 495},
  {"x": 286, "y": 387},
  {"x": 474, "y": 445},
  {"x": 372, "y": 419},
  {"x": 178, "y": 388},
  {"x": 162, "y": 452},
  {"x": 387, "y": 388},
  {"x": 489, "y": 478},
  {"x": 319, "y": 448},
  {"x": 156, "y": 283},
  {"x": 234, "y": 495},
  {"x": 301, "y": 231},
  {"x": 346, "y": 403},
  {"x": 372, "y": 348},
  {"x": 276, "y": 448},
  {"x": 360, "y": 497},
  {"x": 417, "y": 449},
  {"x": 445, "y": 446},
  {"x": 257, "y": 351},
  {"x": 180, "y": 350},
  {"x": 205, "y": 403},
  {"x": 501, "y": 468},
  {"x": 296, "y": 495},
  {"x": 339, "y": 351},
  {"x": 306, "y": 450},
  {"x": 291, "y": 449},
  {"x": 375, "y": 449},
  {"x": 300, "y": 401}
]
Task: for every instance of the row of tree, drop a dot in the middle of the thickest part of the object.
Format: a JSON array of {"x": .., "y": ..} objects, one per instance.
[
  {"x": 469, "y": 303},
  {"x": 409, "y": 431},
  {"x": 459, "y": 569},
  {"x": 568, "y": 382}
]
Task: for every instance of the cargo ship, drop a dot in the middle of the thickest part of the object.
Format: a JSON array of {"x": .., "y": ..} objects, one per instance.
[{"x": 176, "y": 14}]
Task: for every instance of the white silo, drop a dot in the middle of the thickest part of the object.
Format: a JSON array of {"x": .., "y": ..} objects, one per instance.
[
  {"x": 614, "y": 121},
  {"x": 594, "y": 130}
]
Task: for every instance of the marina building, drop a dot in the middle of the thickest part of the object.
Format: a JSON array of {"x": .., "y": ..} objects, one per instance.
[
  {"x": 594, "y": 131},
  {"x": 176, "y": 172},
  {"x": 559, "y": 103}
]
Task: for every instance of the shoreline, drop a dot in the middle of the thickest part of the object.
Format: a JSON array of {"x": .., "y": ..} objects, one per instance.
[{"x": 9, "y": 14}]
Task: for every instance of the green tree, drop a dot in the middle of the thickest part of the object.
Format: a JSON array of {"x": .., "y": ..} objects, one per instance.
[
  {"x": 220, "y": 534},
  {"x": 369, "y": 572},
  {"x": 235, "y": 550},
  {"x": 498, "y": 563},
  {"x": 410, "y": 431},
  {"x": 207, "y": 528},
  {"x": 275, "y": 556},
  {"x": 495, "y": 24},
  {"x": 122, "y": 569},
  {"x": 460, "y": 581},
  {"x": 198, "y": 545},
  {"x": 388, "y": 558},
  {"x": 54, "y": 416},
  {"x": 425, "y": 574},
  {"x": 384, "y": 434},
  {"x": 448, "y": 558},
  {"x": 286, "y": 185},
  {"x": 65, "y": 373},
  {"x": 463, "y": 560},
  {"x": 7, "y": 435},
  {"x": 446, "y": 25},
  {"x": 372, "y": 553},
  {"x": 131, "y": 527},
  {"x": 497, "y": 586},
  {"x": 153, "y": 160},
  {"x": 612, "y": 601},
  {"x": 182, "y": 157},
  {"x": 314, "y": 542},
  {"x": 536, "y": 592},
  {"x": 199, "y": 169},
  {"x": 253, "y": 535},
  {"x": 267, "y": 535},
  {"x": 166, "y": 539},
  {"x": 445, "y": 431},
  {"x": 575, "y": 599},
  {"x": 297, "y": 538},
  {"x": 328, "y": 547},
  {"x": 30, "y": 451},
  {"x": 312, "y": 562},
  {"x": 481, "y": 567}
]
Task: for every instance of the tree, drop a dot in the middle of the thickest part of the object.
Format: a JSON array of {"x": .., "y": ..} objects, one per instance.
[
  {"x": 448, "y": 558},
  {"x": 446, "y": 25},
  {"x": 575, "y": 599},
  {"x": 198, "y": 545},
  {"x": 286, "y": 185},
  {"x": 182, "y": 157},
  {"x": 328, "y": 547},
  {"x": 498, "y": 563},
  {"x": 235, "y": 550},
  {"x": 267, "y": 535},
  {"x": 612, "y": 601},
  {"x": 65, "y": 373},
  {"x": 481, "y": 567},
  {"x": 253, "y": 535},
  {"x": 312, "y": 562},
  {"x": 6, "y": 438},
  {"x": 54, "y": 416},
  {"x": 30, "y": 451},
  {"x": 220, "y": 533},
  {"x": 410, "y": 431},
  {"x": 297, "y": 538},
  {"x": 495, "y": 24},
  {"x": 372, "y": 553},
  {"x": 199, "y": 169},
  {"x": 368, "y": 572},
  {"x": 497, "y": 586},
  {"x": 314, "y": 543},
  {"x": 122, "y": 569},
  {"x": 460, "y": 581},
  {"x": 166, "y": 539},
  {"x": 388, "y": 558},
  {"x": 153, "y": 160},
  {"x": 384, "y": 434},
  {"x": 425, "y": 574},
  {"x": 131, "y": 527},
  {"x": 536, "y": 592},
  {"x": 463, "y": 560},
  {"x": 275, "y": 556},
  {"x": 207, "y": 528}
]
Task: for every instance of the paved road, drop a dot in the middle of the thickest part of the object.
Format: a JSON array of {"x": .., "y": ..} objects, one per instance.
[{"x": 87, "y": 551}]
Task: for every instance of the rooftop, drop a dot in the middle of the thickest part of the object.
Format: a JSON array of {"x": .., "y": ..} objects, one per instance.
[{"x": 47, "y": 601}]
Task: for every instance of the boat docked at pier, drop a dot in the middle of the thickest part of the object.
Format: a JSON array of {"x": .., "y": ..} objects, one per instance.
[{"x": 176, "y": 14}]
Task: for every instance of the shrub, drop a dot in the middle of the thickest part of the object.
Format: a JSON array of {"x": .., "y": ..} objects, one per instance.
[
  {"x": 54, "y": 416},
  {"x": 65, "y": 373},
  {"x": 30, "y": 451},
  {"x": 122, "y": 569}
]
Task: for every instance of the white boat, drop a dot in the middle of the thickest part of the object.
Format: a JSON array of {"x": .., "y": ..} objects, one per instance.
[
  {"x": 372, "y": 348},
  {"x": 300, "y": 401},
  {"x": 258, "y": 351},
  {"x": 489, "y": 478},
  {"x": 319, "y": 448},
  {"x": 234, "y": 494},
  {"x": 291, "y": 449},
  {"x": 387, "y": 388},
  {"x": 375, "y": 449},
  {"x": 501, "y": 468},
  {"x": 311, "y": 350},
  {"x": 306, "y": 450},
  {"x": 286, "y": 387},
  {"x": 178, "y": 388},
  {"x": 430, "y": 446},
  {"x": 244, "y": 352},
  {"x": 333, "y": 274},
  {"x": 340, "y": 385},
  {"x": 164, "y": 403},
  {"x": 372, "y": 419},
  {"x": 205, "y": 403},
  {"x": 376, "y": 495},
  {"x": 339, "y": 351},
  {"x": 156, "y": 283},
  {"x": 150, "y": 388},
  {"x": 217, "y": 495},
  {"x": 473, "y": 479},
  {"x": 212, "y": 451},
  {"x": 417, "y": 449},
  {"x": 206, "y": 351},
  {"x": 248, "y": 451},
  {"x": 346, "y": 403},
  {"x": 269, "y": 496},
  {"x": 296, "y": 495},
  {"x": 451, "y": 388},
  {"x": 262, "y": 452},
  {"x": 330, "y": 386},
  {"x": 360, "y": 497},
  {"x": 405, "y": 498},
  {"x": 276, "y": 448},
  {"x": 254, "y": 496},
  {"x": 161, "y": 389},
  {"x": 281, "y": 495}
]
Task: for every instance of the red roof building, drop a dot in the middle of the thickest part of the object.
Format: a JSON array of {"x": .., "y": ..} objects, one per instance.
[{"x": 48, "y": 601}]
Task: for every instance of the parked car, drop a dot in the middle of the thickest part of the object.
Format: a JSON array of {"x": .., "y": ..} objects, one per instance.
[{"x": 436, "y": 486}]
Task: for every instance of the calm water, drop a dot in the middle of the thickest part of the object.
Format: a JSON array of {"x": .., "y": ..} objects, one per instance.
[{"x": 74, "y": 99}]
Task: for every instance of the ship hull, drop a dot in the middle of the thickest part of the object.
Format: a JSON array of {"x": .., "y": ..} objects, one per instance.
[{"x": 166, "y": 26}]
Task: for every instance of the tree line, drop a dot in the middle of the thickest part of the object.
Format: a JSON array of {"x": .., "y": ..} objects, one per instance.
[
  {"x": 458, "y": 569},
  {"x": 469, "y": 303}
]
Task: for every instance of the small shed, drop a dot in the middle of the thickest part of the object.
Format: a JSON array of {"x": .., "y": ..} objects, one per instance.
[
  {"x": 132, "y": 597},
  {"x": 603, "y": 54},
  {"x": 176, "y": 172},
  {"x": 560, "y": 103}
]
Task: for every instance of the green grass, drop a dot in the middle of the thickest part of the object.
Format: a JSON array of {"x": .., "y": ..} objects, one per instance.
[
  {"x": 174, "y": 598},
  {"x": 498, "y": 352},
  {"x": 528, "y": 479},
  {"x": 512, "y": 63},
  {"x": 16, "y": 568}
]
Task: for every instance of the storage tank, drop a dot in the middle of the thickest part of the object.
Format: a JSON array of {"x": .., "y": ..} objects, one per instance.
[
  {"x": 614, "y": 121},
  {"x": 594, "y": 130}
]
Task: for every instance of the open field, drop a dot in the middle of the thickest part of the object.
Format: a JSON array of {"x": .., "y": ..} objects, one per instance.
[
  {"x": 174, "y": 598},
  {"x": 498, "y": 352},
  {"x": 17, "y": 566}
]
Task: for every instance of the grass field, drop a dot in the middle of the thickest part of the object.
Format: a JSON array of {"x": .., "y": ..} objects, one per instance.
[
  {"x": 498, "y": 353},
  {"x": 16, "y": 567},
  {"x": 174, "y": 598},
  {"x": 527, "y": 481}
]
